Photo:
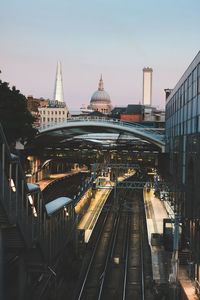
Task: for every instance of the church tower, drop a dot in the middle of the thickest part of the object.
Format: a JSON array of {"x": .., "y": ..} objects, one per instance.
[{"x": 58, "y": 91}]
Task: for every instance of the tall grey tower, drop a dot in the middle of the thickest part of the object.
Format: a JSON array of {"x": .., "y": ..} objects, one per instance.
[
  {"x": 58, "y": 90},
  {"x": 147, "y": 86}
]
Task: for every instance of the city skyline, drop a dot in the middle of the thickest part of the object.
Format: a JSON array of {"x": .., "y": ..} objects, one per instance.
[{"x": 116, "y": 39}]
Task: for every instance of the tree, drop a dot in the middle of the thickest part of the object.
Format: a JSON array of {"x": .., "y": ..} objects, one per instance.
[{"x": 14, "y": 116}]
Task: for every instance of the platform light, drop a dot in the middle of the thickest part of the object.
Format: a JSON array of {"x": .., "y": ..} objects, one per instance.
[
  {"x": 116, "y": 260},
  {"x": 30, "y": 199},
  {"x": 34, "y": 212},
  {"x": 30, "y": 158},
  {"x": 66, "y": 211},
  {"x": 28, "y": 175},
  {"x": 12, "y": 185}
]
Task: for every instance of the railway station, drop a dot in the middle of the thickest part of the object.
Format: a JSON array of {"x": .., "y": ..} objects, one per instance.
[{"x": 96, "y": 207}]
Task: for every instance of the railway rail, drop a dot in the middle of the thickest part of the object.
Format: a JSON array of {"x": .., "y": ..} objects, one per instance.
[{"x": 116, "y": 267}]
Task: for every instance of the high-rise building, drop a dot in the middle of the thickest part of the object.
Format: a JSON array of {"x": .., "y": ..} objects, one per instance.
[
  {"x": 183, "y": 145},
  {"x": 147, "y": 86},
  {"x": 58, "y": 91}
]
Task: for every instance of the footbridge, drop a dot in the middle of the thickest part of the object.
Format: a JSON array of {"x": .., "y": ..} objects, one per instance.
[{"x": 84, "y": 127}]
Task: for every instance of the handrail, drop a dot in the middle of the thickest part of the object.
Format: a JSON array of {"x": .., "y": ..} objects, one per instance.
[
  {"x": 25, "y": 208},
  {"x": 15, "y": 192}
]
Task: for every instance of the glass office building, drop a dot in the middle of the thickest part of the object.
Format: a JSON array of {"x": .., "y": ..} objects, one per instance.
[{"x": 183, "y": 145}]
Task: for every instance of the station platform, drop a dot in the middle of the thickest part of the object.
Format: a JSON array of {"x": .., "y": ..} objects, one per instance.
[
  {"x": 156, "y": 210},
  {"x": 155, "y": 213},
  {"x": 88, "y": 221}
]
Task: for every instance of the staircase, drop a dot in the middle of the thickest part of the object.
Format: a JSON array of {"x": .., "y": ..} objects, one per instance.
[{"x": 27, "y": 233}]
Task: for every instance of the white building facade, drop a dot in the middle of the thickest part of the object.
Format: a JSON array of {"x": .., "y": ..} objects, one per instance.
[
  {"x": 53, "y": 113},
  {"x": 147, "y": 86}
]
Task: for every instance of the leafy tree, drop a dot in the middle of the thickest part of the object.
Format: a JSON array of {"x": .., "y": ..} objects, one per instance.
[{"x": 14, "y": 116}]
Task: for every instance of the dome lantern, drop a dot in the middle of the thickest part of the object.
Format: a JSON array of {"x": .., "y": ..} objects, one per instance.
[{"x": 101, "y": 84}]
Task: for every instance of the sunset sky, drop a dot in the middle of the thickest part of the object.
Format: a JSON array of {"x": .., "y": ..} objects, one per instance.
[{"x": 113, "y": 37}]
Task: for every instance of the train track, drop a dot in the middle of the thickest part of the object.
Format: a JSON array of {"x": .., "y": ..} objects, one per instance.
[
  {"x": 116, "y": 268},
  {"x": 134, "y": 288}
]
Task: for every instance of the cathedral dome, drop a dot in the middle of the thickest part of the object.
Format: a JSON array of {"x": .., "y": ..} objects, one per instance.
[
  {"x": 100, "y": 100},
  {"x": 100, "y": 96}
]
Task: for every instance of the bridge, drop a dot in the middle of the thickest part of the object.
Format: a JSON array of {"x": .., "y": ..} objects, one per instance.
[{"x": 85, "y": 127}]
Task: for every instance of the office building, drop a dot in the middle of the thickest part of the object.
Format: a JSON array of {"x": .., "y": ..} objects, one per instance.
[
  {"x": 147, "y": 86},
  {"x": 183, "y": 145}
]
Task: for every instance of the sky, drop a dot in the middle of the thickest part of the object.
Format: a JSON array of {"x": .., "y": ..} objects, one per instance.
[{"x": 113, "y": 37}]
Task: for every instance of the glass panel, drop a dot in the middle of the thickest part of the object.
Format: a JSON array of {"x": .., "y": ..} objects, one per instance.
[
  {"x": 194, "y": 107},
  {"x": 198, "y": 85},
  {"x": 198, "y": 72},
  {"x": 198, "y": 104},
  {"x": 186, "y": 96},
  {"x": 194, "y": 89},
  {"x": 189, "y": 110},
  {"x": 193, "y": 125},
  {"x": 185, "y": 127},
  {"x": 194, "y": 74},
  {"x": 199, "y": 124},
  {"x": 188, "y": 126},
  {"x": 185, "y": 113},
  {"x": 190, "y": 93},
  {"x": 190, "y": 80}
]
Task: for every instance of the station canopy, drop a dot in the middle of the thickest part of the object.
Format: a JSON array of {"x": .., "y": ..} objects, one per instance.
[{"x": 98, "y": 134}]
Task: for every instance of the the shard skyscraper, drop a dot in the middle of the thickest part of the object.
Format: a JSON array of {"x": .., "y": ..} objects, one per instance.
[{"x": 58, "y": 91}]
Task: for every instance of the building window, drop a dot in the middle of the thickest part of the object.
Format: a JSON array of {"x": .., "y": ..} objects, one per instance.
[
  {"x": 63, "y": 112},
  {"x": 44, "y": 112},
  {"x": 196, "y": 123},
  {"x": 188, "y": 126},
  {"x": 59, "y": 112},
  {"x": 48, "y": 119},
  {"x": 43, "y": 119},
  {"x": 190, "y": 93},
  {"x": 48, "y": 112},
  {"x": 194, "y": 107},
  {"x": 198, "y": 105},
  {"x": 51, "y": 119},
  {"x": 194, "y": 88},
  {"x": 52, "y": 112},
  {"x": 55, "y": 112},
  {"x": 189, "y": 109}
]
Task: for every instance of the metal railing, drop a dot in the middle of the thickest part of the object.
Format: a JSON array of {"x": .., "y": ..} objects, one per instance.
[
  {"x": 24, "y": 207},
  {"x": 154, "y": 131},
  {"x": 19, "y": 202}
]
